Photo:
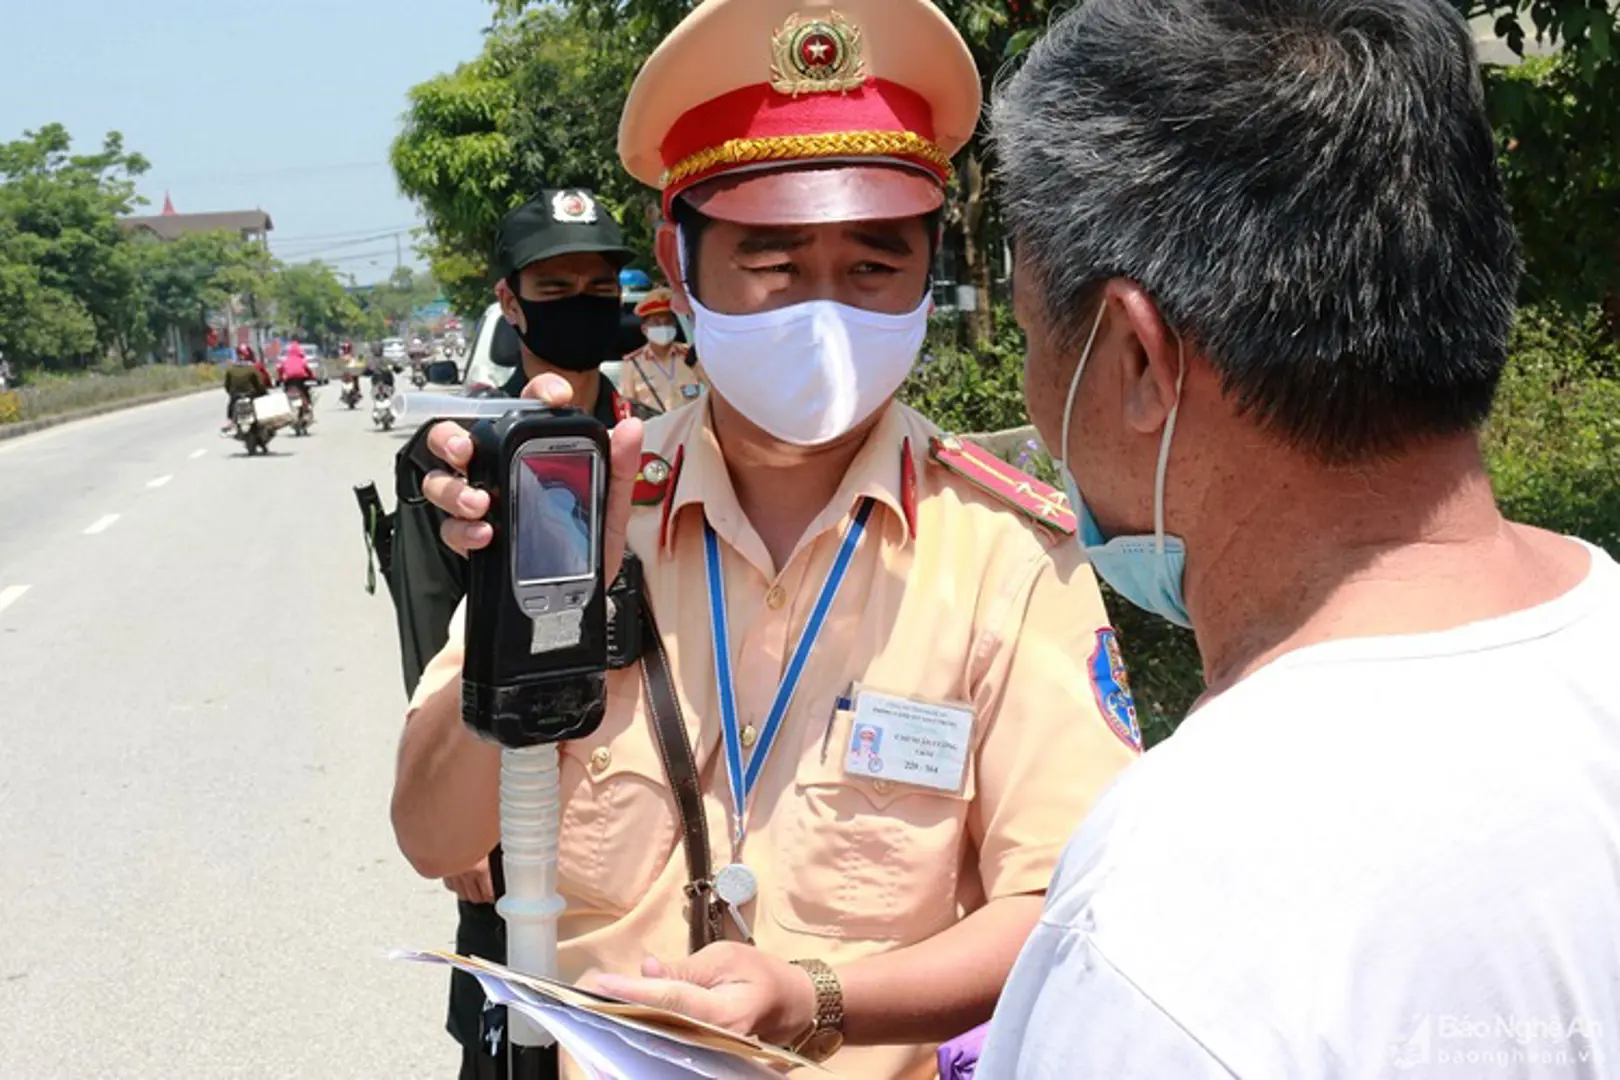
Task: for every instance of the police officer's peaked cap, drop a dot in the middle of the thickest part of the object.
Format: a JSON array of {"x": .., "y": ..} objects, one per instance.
[{"x": 777, "y": 112}]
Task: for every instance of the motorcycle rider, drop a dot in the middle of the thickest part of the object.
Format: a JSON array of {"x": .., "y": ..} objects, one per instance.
[
  {"x": 352, "y": 368},
  {"x": 245, "y": 378},
  {"x": 295, "y": 374},
  {"x": 382, "y": 377}
]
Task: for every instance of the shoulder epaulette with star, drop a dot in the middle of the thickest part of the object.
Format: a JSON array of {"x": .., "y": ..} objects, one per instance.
[{"x": 990, "y": 474}]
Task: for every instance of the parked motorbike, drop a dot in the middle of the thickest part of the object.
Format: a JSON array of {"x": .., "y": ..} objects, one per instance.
[
  {"x": 351, "y": 391},
  {"x": 249, "y": 431},
  {"x": 382, "y": 407}
]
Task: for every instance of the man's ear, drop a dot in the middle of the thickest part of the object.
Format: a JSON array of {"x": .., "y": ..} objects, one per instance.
[
  {"x": 1152, "y": 375},
  {"x": 667, "y": 246},
  {"x": 509, "y": 305}
]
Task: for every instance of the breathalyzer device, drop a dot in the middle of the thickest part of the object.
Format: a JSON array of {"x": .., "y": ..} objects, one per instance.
[{"x": 537, "y": 635}]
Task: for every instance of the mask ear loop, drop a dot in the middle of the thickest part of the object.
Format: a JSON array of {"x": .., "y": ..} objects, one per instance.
[
  {"x": 1164, "y": 449},
  {"x": 1074, "y": 385}
]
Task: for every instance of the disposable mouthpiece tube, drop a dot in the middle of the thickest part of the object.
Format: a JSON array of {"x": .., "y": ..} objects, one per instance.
[{"x": 419, "y": 407}]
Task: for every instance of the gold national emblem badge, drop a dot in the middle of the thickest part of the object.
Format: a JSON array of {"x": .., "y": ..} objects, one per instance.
[{"x": 817, "y": 56}]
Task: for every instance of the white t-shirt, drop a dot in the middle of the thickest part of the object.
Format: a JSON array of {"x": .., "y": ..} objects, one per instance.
[{"x": 1384, "y": 857}]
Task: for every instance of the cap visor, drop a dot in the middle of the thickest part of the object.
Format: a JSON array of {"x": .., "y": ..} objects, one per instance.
[
  {"x": 618, "y": 256},
  {"x": 818, "y": 195}
]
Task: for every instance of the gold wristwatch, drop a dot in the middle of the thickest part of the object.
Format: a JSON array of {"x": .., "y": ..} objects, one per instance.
[{"x": 826, "y": 1034}]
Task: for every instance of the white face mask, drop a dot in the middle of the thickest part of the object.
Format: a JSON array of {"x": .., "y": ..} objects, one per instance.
[
  {"x": 809, "y": 373},
  {"x": 661, "y": 335}
]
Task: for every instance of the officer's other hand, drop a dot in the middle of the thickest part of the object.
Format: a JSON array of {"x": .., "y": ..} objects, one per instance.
[
  {"x": 474, "y": 886},
  {"x": 467, "y": 531},
  {"x": 737, "y": 987}
]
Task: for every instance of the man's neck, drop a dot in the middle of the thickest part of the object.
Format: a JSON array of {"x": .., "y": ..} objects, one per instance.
[
  {"x": 661, "y": 353},
  {"x": 782, "y": 488},
  {"x": 1407, "y": 546},
  {"x": 586, "y": 384}
]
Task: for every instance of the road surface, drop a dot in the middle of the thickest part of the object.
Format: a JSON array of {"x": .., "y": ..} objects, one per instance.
[{"x": 199, "y": 705}]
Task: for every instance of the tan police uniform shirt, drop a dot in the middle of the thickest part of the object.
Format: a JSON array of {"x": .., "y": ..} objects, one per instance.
[
  {"x": 977, "y": 604},
  {"x": 662, "y": 385}
]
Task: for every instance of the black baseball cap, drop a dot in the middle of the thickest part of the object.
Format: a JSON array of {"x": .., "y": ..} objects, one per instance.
[{"x": 563, "y": 221}]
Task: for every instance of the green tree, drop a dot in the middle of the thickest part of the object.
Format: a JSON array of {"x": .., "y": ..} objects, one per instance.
[
  {"x": 313, "y": 304},
  {"x": 393, "y": 301},
  {"x": 189, "y": 279},
  {"x": 539, "y": 108},
  {"x": 456, "y": 160},
  {"x": 65, "y": 263}
]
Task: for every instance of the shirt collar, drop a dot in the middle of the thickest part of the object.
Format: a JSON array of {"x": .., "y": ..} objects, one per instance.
[{"x": 884, "y": 469}]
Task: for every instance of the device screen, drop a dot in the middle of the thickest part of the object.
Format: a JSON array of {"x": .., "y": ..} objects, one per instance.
[{"x": 556, "y": 518}]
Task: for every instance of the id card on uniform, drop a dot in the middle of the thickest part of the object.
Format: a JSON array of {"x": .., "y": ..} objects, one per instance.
[{"x": 907, "y": 741}]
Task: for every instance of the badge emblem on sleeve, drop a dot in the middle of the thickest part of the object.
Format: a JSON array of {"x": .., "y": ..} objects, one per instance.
[
  {"x": 652, "y": 482},
  {"x": 1112, "y": 686}
]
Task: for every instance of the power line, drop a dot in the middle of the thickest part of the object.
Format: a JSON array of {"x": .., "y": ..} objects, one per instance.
[
  {"x": 380, "y": 254},
  {"x": 345, "y": 234},
  {"x": 311, "y": 252}
]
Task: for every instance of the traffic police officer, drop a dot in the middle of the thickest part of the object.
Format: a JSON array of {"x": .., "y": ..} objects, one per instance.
[
  {"x": 662, "y": 374},
  {"x": 901, "y": 737}
]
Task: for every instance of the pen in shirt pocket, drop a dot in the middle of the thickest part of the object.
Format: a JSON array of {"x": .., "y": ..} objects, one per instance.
[{"x": 843, "y": 704}]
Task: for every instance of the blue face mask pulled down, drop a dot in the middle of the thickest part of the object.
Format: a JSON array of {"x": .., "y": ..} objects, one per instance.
[{"x": 1146, "y": 570}]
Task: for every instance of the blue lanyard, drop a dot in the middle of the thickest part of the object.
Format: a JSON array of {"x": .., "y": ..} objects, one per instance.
[{"x": 744, "y": 777}]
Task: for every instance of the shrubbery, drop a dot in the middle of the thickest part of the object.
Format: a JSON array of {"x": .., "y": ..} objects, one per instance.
[
  {"x": 1553, "y": 443},
  {"x": 43, "y": 395},
  {"x": 1552, "y": 446},
  {"x": 963, "y": 392}
]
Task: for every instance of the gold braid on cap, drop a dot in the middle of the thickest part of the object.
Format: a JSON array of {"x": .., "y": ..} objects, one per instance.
[{"x": 797, "y": 147}]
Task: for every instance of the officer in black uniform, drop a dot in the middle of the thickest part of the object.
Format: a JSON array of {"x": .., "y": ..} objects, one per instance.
[{"x": 558, "y": 257}]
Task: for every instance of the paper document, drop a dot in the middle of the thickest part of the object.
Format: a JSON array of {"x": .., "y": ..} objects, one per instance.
[{"x": 618, "y": 1040}]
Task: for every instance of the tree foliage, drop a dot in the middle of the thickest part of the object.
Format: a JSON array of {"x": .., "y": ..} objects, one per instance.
[
  {"x": 393, "y": 301},
  {"x": 311, "y": 303},
  {"x": 539, "y": 108},
  {"x": 67, "y": 277},
  {"x": 187, "y": 280}
]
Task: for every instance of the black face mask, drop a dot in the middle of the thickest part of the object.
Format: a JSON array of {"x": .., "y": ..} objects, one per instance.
[{"x": 576, "y": 333}]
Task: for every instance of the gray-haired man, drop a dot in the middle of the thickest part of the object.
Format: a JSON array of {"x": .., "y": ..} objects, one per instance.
[{"x": 1267, "y": 273}]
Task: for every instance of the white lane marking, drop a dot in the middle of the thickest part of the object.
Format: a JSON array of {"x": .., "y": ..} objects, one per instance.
[
  {"x": 195, "y": 454},
  {"x": 11, "y": 594},
  {"x": 102, "y": 525},
  {"x": 160, "y": 481}
]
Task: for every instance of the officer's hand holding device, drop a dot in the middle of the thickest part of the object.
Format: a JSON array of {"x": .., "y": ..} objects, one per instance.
[{"x": 537, "y": 637}]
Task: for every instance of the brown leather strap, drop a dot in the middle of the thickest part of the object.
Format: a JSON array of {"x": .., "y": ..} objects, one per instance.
[{"x": 705, "y": 908}]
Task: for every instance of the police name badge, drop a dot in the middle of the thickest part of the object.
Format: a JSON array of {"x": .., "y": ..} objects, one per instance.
[{"x": 906, "y": 741}]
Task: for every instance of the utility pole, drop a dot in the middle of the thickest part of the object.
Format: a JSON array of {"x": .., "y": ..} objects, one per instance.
[{"x": 399, "y": 251}]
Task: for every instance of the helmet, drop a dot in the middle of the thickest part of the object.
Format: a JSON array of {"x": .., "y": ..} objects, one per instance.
[{"x": 245, "y": 353}]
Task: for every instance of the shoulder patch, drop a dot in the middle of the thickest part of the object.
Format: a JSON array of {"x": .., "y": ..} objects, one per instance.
[
  {"x": 652, "y": 482},
  {"x": 1044, "y": 503},
  {"x": 1112, "y": 686}
]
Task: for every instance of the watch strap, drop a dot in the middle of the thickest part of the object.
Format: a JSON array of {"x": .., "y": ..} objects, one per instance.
[{"x": 829, "y": 1000}]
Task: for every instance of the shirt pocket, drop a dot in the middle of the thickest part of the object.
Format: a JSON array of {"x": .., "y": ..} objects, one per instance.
[
  {"x": 618, "y": 821},
  {"x": 869, "y": 860}
]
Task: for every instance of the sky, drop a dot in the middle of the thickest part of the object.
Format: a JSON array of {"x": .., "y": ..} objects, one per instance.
[{"x": 287, "y": 106}]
